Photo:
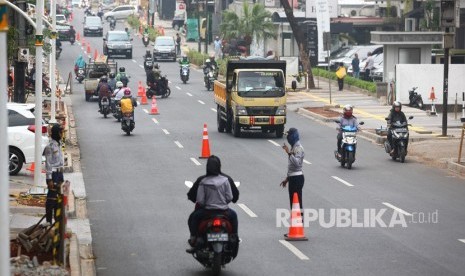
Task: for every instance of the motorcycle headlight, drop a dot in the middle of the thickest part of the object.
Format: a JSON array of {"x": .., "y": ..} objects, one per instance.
[
  {"x": 240, "y": 110},
  {"x": 281, "y": 110}
]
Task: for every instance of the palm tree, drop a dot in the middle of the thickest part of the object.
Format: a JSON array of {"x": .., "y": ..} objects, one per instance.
[{"x": 255, "y": 23}]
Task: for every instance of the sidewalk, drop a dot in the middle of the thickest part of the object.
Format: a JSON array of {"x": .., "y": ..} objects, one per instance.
[{"x": 426, "y": 144}]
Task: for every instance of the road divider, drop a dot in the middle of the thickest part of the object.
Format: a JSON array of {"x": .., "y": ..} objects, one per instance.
[
  {"x": 247, "y": 210},
  {"x": 342, "y": 181},
  {"x": 397, "y": 209},
  {"x": 294, "y": 250}
]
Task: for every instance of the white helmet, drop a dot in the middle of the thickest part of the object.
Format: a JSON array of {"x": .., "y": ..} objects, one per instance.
[
  {"x": 207, "y": 61},
  {"x": 119, "y": 84}
]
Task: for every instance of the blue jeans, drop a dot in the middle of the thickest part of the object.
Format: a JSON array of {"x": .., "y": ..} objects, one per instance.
[{"x": 356, "y": 74}]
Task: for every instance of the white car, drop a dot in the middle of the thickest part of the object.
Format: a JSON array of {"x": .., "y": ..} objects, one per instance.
[
  {"x": 21, "y": 135},
  {"x": 121, "y": 12},
  {"x": 61, "y": 19}
]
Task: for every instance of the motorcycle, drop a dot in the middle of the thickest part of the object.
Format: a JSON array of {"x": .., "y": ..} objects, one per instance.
[
  {"x": 400, "y": 135},
  {"x": 31, "y": 85},
  {"x": 105, "y": 108},
  {"x": 145, "y": 40},
  {"x": 80, "y": 75},
  {"x": 72, "y": 39},
  {"x": 184, "y": 73},
  {"x": 112, "y": 24},
  {"x": 210, "y": 77},
  {"x": 148, "y": 62},
  {"x": 348, "y": 146},
  {"x": 159, "y": 88},
  {"x": 415, "y": 99},
  {"x": 116, "y": 109},
  {"x": 215, "y": 245},
  {"x": 127, "y": 122}
]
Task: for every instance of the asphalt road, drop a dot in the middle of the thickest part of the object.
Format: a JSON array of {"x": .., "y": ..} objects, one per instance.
[{"x": 138, "y": 207}]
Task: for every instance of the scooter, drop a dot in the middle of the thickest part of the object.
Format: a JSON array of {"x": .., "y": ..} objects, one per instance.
[
  {"x": 145, "y": 40},
  {"x": 160, "y": 88},
  {"x": 105, "y": 106},
  {"x": 80, "y": 75},
  {"x": 31, "y": 86},
  {"x": 215, "y": 245},
  {"x": 348, "y": 146},
  {"x": 127, "y": 122},
  {"x": 415, "y": 99},
  {"x": 184, "y": 73},
  {"x": 400, "y": 135},
  {"x": 116, "y": 109},
  {"x": 72, "y": 39},
  {"x": 210, "y": 77}
]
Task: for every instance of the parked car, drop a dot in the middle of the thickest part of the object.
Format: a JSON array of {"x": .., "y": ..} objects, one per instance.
[
  {"x": 120, "y": 12},
  {"x": 21, "y": 135},
  {"x": 93, "y": 25},
  {"x": 109, "y": 5},
  {"x": 377, "y": 63},
  {"x": 164, "y": 48},
  {"x": 117, "y": 43},
  {"x": 362, "y": 52},
  {"x": 76, "y": 3}
]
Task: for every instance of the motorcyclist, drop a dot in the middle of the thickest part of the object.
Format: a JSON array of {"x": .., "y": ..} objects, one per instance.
[
  {"x": 112, "y": 81},
  {"x": 127, "y": 31},
  {"x": 148, "y": 61},
  {"x": 112, "y": 22},
  {"x": 72, "y": 32},
  {"x": 210, "y": 64},
  {"x": 395, "y": 115},
  {"x": 58, "y": 46},
  {"x": 347, "y": 119},
  {"x": 183, "y": 61},
  {"x": 118, "y": 93},
  {"x": 153, "y": 76},
  {"x": 79, "y": 63},
  {"x": 129, "y": 99},
  {"x": 121, "y": 76},
  {"x": 211, "y": 194},
  {"x": 103, "y": 90}
]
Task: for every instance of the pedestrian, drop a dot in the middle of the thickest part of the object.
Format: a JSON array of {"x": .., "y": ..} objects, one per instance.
[
  {"x": 356, "y": 66},
  {"x": 178, "y": 44},
  {"x": 295, "y": 175},
  {"x": 341, "y": 74},
  {"x": 369, "y": 65},
  {"x": 217, "y": 45},
  {"x": 54, "y": 163}
]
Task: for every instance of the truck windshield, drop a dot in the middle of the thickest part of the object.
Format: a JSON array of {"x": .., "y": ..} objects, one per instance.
[{"x": 260, "y": 84}]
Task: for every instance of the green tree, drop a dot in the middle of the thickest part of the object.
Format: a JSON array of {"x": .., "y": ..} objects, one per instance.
[{"x": 255, "y": 22}]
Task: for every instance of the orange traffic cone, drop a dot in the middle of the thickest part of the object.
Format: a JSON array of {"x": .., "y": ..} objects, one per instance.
[
  {"x": 154, "y": 109},
  {"x": 143, "y": 101},
  {"x": 139, "y": 90},
  {"x": 95, "y": 54},
  {"x": 78, "y": 37},
  {"x": 432, "y": 97},
  {"x": 296, "y": 231},
  {"x": 83, "y": 42},
  {"x": 32, "y": 167},
  {"x": 205, "y": 143},
  {"x": 88, "y": 48}
]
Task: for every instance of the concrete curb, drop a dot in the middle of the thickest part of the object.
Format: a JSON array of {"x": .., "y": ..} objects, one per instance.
[{"x": 455, "y": 167}]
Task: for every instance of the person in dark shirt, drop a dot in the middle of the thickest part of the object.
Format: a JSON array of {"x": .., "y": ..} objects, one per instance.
[{"x": 395, "y": 115}]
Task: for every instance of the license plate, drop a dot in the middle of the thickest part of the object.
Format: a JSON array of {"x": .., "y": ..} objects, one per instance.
[
  {"x": 105, "y": 103},
  {"x": 262, "y": 120},
  {"x": 217, "y": 237},
  {"x": 401, "y": 130}
]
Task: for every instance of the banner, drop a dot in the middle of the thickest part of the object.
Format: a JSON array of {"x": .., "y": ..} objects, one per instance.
[{"x": 323, "y": 25}]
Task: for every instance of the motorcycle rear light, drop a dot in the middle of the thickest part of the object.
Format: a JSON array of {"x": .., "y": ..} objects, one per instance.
[
  {"x": 216, "y": 223},
  {"x": 32, "y": 128}
]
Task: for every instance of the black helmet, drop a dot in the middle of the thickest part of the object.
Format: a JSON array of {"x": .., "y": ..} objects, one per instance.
[
  {"x": 112, "y": 75},
  {"x": 397, "y": 104},
  {"x": 156, "y": 66},
  {"x": 122, "y": 69},
  {"x": 213, "y": 165},
  {"x": 103, "y": 79}
]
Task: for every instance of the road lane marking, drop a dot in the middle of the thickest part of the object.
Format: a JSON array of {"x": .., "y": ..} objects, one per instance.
[
  {"x": 179, "y": 144},
  {"x": 274, "y": 143},
  {"x": 201, "y": 102},
  {"x": 155, "y": 121},
  {"x": 462, "y": 240},
  {"x": 294, "y": 250},
  {"x": 214, "y": 110},
  {"x": 247, "y": 210},
  {"x": 138, "y": 103},
  {"x": 195, "y": 161},
  {"x": 177, "y": 87},
  {"x": 189, "y": 184},
  {"x": 141, "y": 66},
  {"x": 134, "y": 61},
  {"x": 169, "y": 82},
  {"x": 165, "y": 131},
  {"x": 189, "y": 94},
  {"x": 146, "y": 111},
  {"x": 342, "y": 181},
  {"x": 397, "y": 209},
  {"x": 101, "y": 268},
  {"x": 237, "y": 183},
  {"x": 306, "y": 162},
  {"x": 96, "y": 201}
]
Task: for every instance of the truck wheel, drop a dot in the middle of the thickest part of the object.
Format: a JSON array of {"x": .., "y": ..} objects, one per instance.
[
  {"x": 220, "y": 123},
  {"x": 280, "y": 131},
  {"x": 236, "y": 128},
  {"x": 88, "y": 97}
]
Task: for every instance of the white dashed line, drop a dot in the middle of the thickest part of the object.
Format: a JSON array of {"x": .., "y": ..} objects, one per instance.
[
  {"x": 306, "y": 162},
  {"x": 177, "y": 87},
  {"x": 237, "y": 183},
  {"x": 169, "y": 82},
  {"x": 189, "y": 184},
  {"x": 214, "y": 110},
  {"x": 189, "y": 94},
  {"x": 179, "y": 144},
  {"x": 195, "y": 161},
  {"x": 96, "y": 201},
  {"x": 155, "y": 121},
  {"x": 342, "y": 181},
  {"x": 101, "y": 268},
  {"x": 134, "y": 61},
  {"x": 247, "y": 210},
  {"x": 462, "y": 240},
  {"x": 397, "y": 209},
  {"x": 294, "y": 250},
  {"x": 274, "y": 143},
  {"x": 141, "y": 66},
  {"x": 165, "y": 131},
  {"x": 201, "y": 102},
  {"x": 138, "y": 103},
  {"x": 146, "y": 111}
]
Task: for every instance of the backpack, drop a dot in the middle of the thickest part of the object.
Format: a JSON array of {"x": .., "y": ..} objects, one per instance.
[{"x": 126, "y": 105}]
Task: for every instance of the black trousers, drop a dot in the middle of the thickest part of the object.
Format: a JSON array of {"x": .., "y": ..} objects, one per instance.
[
  {"x": 295, "y": 185},
  {"x": 367, "y": 74},
  {"x": 51, "y": 204},
  {"x": 340, "y": 82},
  {"x": 200, "y": 213},
  {"x": 339, "y": 142}
]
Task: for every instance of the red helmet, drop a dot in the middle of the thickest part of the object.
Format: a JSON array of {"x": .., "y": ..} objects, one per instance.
[
  {"x": 127, "y": 92},
  {"x": 347, "y": 111}
]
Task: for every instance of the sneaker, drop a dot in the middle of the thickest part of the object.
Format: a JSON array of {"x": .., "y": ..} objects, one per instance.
[{"x": 190, "y": 250}]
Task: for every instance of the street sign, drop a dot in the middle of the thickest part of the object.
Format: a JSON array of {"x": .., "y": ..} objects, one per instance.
[{"x": 39, "y": 40}]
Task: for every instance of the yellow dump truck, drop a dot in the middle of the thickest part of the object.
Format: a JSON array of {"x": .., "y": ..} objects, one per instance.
[{"x": 252, "y": 96}]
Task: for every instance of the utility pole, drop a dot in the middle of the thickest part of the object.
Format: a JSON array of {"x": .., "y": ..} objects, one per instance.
[
  {"x": 198, "y": 25},
  {"x": 39, "y": 43},
  {"x": 20, "y": 66},
  {"x": 445, "y": 93},
  {"x": 206, "y": 24},
  {"x": 53, "y": 81},
  {"x": 4, "y": 163}
]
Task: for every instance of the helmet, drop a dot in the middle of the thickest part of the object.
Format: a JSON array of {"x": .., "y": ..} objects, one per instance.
[
  {"x": 156, "y": 66},
  {"x": 122, "y": 69},
  {"x": 348, "y": 110},
  {"x": 207, "y": 60},
  {"x": 112, "y": 75},
  {"x": 184, "y": 58},
  {"x": 397, "y": 104},
  {"x": 103, "y": 78},
  {"x": 127, "y": 92},
  {"x": 119, "y": 84}
]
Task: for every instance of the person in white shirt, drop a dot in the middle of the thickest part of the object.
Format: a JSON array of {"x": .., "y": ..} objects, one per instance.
[
  {"x": 369, "y": 65},
  {"x": 119, "y": 91}
]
